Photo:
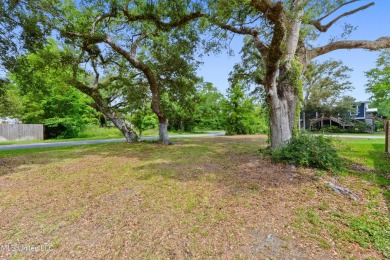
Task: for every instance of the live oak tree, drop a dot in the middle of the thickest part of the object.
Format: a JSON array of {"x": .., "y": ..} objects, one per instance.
[
  {"x": 379, "y": 83},
  {"x": 110, "y": 94},
  {"x": 51, "y": 81},
  {"x": 324, "y": 84},
  {"x": 283, "y": 33},
  {"x": 152, "y": 37},
  {"x": 21, "y": 30}
]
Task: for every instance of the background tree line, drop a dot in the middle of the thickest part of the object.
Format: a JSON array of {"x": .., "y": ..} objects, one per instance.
[{"x": 36, "y": 91}]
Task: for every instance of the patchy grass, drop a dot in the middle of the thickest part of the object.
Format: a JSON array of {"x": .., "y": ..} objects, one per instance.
[
  {"x": 364, "y": 223},
  {"x": 200, "y": 198},
  {"x": 367, "y": 160},
  {"x": 42, "y": 151}
]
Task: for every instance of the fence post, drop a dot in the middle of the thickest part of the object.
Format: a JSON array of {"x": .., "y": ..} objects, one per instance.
[{"x": 387, "y": 133}]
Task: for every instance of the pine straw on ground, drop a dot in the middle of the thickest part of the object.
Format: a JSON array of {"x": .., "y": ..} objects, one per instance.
[{"x": 200, "y": 198}]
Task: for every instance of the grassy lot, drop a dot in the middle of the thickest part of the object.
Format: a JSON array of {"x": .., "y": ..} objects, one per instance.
[{"x": 200, "y": 198}]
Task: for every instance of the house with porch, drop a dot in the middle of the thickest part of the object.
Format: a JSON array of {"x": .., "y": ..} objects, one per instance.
[{"x": 363, "y": 114}]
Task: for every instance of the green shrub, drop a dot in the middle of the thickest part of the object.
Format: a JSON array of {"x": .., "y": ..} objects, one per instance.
[
  {"x": 333, "y": 129},
  {"x": 96, "y": 132},
  {"x": 144, "y": 119},
  {"x": 379, "y": 126},
  {"x": 308, "y": 150},
  {"x": 361, "y": 127},
  {"x": 62, "y": 127}
]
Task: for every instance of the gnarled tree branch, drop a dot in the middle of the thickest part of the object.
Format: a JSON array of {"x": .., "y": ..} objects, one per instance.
[
  {"x": 270, "y": 9},
  {"x": 101, "y": 18},
  {"x": 380, "y": 43},
  {"x": 164, "y": 26},
  {"x": 337, "y": 8},
  {"x": 260, "y": 46},
  {"x": 135, "y": 44},
  {"x": 146, "y": 70},
  {"x": 241, "y": 30},
  {"x": 323, "y": 28}
]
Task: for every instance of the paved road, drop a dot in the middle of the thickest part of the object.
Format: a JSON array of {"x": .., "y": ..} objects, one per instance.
[
  {"x": 70, "y": 143},
  {"x": 358, "y": 136}
]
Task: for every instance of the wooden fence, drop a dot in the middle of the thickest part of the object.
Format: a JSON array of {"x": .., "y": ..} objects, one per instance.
[{"x": 20, "y": 132}]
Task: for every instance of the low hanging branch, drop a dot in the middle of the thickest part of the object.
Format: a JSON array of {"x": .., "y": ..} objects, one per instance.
[
  {"x": 101, "y": 103},
  {"x": 378, "y": 44},
  {"x": 164, "y": 26}
]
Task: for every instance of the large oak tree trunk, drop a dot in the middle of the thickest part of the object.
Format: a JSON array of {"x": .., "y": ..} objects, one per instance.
[
  {"x": 162, "y": 120},
  {"x": 283, "y": 107},
  {"x": 282, "y": 84},
  {"x": 163, "y": 128},
  {"x": 282, "y": 81},
  {"x": 163, "y": 131}
]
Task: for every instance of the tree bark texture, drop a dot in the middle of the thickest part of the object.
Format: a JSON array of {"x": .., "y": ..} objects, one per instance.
[
  {"x": 282, "y": 80},
  {"x": 163, "y": 131},
  {"x": 122, "y": 124},
  {"x": 283, "y": 109}
]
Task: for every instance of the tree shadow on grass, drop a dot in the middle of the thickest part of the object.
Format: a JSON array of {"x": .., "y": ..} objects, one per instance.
[
  {"x": 382, "y": 168},
  {"x": 10, "y": 160},
  {"x": 231, "y": 161},
  {"x": 237, "y": 171}
]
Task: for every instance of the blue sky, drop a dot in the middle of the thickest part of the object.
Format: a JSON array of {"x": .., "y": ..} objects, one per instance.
[{"x": 371, "y": 23}]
